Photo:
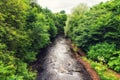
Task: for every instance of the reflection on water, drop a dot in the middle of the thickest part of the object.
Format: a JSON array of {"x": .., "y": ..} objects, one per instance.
[{"x": 59, "y": 65}]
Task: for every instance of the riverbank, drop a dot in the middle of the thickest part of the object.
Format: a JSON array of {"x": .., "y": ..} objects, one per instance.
[{"x": 58, "y": 63}]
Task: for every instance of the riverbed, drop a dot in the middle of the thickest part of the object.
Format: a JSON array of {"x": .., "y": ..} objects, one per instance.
[{"x": 58, "y": 64}]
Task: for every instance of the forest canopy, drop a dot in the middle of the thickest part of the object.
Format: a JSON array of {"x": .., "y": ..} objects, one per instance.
[
  {"x": 25, "y": 28},
  {"x": 97, "y": 31}
]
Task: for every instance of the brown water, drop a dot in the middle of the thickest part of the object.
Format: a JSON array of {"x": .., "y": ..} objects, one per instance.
[{"x": 59, "y": 65}]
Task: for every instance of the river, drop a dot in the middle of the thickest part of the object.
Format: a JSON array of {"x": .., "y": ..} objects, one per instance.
[{"x": 58, "y": 64}]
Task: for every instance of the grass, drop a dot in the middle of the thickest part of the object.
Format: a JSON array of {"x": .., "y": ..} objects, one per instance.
[{"x": 102, "y": 70}]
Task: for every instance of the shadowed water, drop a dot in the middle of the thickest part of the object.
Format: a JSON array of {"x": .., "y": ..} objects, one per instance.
[{"x": 59, "y": 65}]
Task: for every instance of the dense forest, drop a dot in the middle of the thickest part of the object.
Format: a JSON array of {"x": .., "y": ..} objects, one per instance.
[
  {"x": 25, "y": 28},
  {"x": 97, "y": 31}
]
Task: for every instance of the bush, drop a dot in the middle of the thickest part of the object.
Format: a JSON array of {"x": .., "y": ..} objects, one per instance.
[
  {"x": 101, "y": 52},
  {"x": 102, "y": 70},
  {"x": 25, "y": 28},
  {"x": 97, "y": 32},
  {"x": 59, "y": 21},
  {"x": 98, "y": 24},
  {"x": 114, "y": 61}
]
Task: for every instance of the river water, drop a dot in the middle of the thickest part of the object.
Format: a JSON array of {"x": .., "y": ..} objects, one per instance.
[{"x": 58, "y": 64}]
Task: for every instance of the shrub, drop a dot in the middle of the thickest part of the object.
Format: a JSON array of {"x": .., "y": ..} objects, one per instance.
[
  {"x": 101, "y": 52},
  {"x": 114, "y": 61},
  {"x": 102, "y": 70}
]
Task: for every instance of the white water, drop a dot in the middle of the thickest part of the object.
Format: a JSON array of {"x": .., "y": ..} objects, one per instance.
[{"x": 59, "y": 65}]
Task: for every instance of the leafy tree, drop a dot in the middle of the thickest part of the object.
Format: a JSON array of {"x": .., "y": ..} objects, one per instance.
[
  {"x": 95, "y": 25},
  {"x": 97, "y": 31},
  {"x": 25, "y": 28},
  {"x": 60, "y": 19}
]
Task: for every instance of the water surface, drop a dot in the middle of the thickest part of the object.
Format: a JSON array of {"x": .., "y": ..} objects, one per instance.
[{"x": 59, "y": 65}]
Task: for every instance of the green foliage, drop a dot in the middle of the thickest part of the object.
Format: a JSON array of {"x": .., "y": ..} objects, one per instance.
[
  {"x": 105, "y": 53},
  {"x": 14, "y": 41},
  {"x": 7, "y": 68},
  {"x": 79, "y": 10},
  {"x": 59, "y": 20},
  {"x": 102, "y": 70},
  {"x": 98, "y": 24},
  {"x": 11, "y": 67},
  {"x": 101, "y": 52},
  {"x": 74, "y": 19},
  {"x": 114, "y": 61},
  {"x": 53, "y": 30},
  {"x": 97, "y": 32},
  {"x": 25, "y": 28}
]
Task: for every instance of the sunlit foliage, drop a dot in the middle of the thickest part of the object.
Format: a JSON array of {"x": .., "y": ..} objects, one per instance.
[
  {"x": 97, "y": 31},
  {"x": 25, "y": 28}
]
